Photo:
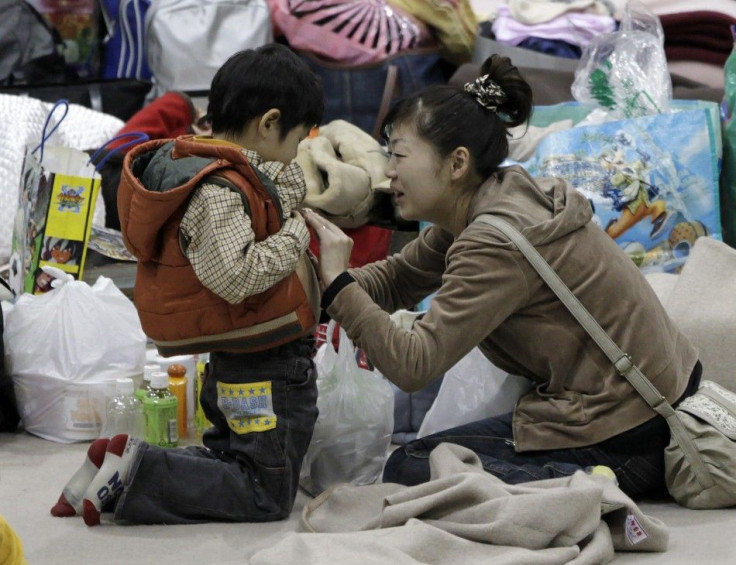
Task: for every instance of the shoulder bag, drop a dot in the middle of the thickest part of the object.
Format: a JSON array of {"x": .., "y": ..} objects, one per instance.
[{"x": 700, "y": 460}]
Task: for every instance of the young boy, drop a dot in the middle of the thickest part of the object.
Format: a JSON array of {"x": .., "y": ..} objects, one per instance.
[{"x": 221, "y": 268}]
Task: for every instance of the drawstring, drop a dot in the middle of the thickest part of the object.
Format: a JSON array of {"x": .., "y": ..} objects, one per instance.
[
  {"x": 138, "y": 137},
  {"x": 45, "y": 136}
]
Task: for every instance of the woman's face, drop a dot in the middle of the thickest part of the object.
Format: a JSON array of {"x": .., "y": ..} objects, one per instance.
[{"x": 419, "y": 176}]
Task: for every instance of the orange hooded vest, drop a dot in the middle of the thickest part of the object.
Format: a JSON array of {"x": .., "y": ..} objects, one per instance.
[{"x": 176, "y": 310}]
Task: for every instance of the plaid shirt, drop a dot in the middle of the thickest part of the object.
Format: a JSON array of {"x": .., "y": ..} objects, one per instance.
[{"x": 221, "y": 242}]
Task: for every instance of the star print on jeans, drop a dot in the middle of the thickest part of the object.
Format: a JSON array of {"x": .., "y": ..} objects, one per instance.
[{"x": 247, "y": 407}]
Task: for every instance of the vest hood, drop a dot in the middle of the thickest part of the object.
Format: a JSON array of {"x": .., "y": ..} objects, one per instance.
[{"x": 157, "y": 180}]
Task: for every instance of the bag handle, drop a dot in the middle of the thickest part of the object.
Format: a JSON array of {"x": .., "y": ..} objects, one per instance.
[
  {"x": 138, "y": 137},
  {"x": 46, "y": 135},
  {"x": 623, "y": 363}
]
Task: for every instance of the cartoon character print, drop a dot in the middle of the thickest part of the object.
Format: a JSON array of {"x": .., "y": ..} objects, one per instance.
[
  {"x": 62, "y": 251},
  {"x": 632, "y": 195}
]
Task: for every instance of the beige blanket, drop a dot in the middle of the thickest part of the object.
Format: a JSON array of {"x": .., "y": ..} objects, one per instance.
[{"x": 465, "y": 515}]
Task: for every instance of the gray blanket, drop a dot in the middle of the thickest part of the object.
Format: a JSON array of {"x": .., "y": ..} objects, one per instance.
[{"x": 465, "y": 515}]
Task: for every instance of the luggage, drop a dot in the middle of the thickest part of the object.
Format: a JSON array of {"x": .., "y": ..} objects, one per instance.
[
  {"x": 123, "y": 49},
  {"x": 76, "y": 22},
  {"x": 363, "y": 94},
  {"x": 354, "y": 32},
  {"x": 31, "y": 56},
  {"x": 188, "y": 40}
]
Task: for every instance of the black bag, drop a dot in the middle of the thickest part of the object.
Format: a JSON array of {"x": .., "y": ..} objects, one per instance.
[
  {"x": 118, "y": 97},
  {"x": 363, "y": 94},
  {"x": 9, "y": 417},
  {"x": 30, "y": 48}
]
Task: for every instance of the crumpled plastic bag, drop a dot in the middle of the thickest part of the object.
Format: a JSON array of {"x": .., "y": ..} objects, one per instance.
[
  {"x": 65, "y": 349},
  {"x": 625, "y": 72},
  {"x": 352, "y": 435},
  {"x": 473, "y": 389}
]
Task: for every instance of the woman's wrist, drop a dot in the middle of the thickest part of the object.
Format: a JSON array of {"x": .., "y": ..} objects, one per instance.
[{"x": 334, "y": 287}]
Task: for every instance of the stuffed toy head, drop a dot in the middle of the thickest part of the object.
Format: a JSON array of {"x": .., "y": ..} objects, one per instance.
[{"x": 343, "y": 167}]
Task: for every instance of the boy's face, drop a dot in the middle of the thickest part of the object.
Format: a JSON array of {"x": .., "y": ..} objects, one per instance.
[{"x": 283, "y": 150}]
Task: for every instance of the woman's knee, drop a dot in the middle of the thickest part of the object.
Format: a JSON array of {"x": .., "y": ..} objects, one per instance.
[{"x": 406, "y": 469}]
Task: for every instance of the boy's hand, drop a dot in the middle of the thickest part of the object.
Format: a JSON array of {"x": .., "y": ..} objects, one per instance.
[{"x": 334, "y": 246}]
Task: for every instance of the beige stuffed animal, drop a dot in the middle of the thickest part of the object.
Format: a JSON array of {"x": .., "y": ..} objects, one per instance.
[{"x": 343, "y": 166}]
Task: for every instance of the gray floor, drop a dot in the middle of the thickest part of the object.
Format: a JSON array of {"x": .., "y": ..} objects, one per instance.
[{"x": 33, "y": 470}]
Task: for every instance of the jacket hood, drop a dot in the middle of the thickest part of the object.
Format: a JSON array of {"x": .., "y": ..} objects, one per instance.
[
  {"x": 154, "y": 187},
  {"x": 544, "y": 209}
]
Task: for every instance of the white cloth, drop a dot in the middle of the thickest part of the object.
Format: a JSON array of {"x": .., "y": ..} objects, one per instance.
[
  {"x": 21, "y": 123},
  {"x": 539, "y": 11},
  {"x": 573, "y": 28}
]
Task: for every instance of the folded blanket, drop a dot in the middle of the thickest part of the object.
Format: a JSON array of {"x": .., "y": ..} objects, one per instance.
[{"x": 465, "y": 515}]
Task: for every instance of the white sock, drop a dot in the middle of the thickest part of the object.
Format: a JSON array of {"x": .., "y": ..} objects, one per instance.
[
  {"x": 109, "y": 480},
  {"x": 70, "y": 501}
]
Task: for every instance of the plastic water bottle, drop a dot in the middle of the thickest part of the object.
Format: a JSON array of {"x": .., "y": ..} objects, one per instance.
[
  {"x": 124, "y": 414},
  {"x": 148, "y": 370},
  {"x": 161, "y": 408}
]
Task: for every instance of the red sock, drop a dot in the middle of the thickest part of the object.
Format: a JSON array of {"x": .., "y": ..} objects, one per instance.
[
  {"x": 108, "y": 483},
  {"x": 70, "y": 501}
]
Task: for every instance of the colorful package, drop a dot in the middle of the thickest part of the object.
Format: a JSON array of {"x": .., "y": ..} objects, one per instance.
[{"x": 652, "y": 180}]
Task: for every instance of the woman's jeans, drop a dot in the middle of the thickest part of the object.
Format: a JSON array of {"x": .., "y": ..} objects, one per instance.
[
  {"x": 263, "y": 408},
  {"x": 636, "y": 456}
]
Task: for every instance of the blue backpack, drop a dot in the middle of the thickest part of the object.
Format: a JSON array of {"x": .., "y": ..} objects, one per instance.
[{"x": 123, "y": 54}]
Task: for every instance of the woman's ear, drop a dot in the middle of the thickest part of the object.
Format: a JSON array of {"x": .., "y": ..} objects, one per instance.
[
  {"x": 460, "y": 163},
  {"x": 269, "y": 122}
]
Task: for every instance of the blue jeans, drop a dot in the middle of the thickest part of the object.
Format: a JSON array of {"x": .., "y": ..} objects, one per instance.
[
  {"x": 636, "y": 456},
  {"x": 354, "y": 93},
  {"x": 263, "y": 408}
]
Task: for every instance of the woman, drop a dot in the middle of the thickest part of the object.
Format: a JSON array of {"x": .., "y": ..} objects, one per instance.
[{"x": 446, "y": 145}]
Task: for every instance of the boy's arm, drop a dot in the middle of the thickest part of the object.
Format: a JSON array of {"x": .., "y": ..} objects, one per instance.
[{"x": 219, "y": 242}]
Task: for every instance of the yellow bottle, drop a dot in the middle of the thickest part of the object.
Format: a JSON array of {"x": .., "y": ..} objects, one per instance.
[
  {"x": 200, "y": 420},
  {"x": 178, "y": 387}
]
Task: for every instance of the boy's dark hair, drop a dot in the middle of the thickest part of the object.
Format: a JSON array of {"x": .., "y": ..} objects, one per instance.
[
  {"x": 253, "y": 81},
  {"x": 448, "y": 117}
]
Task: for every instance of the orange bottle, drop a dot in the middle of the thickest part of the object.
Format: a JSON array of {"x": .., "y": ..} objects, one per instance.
[{"x": 178, "y": 387}]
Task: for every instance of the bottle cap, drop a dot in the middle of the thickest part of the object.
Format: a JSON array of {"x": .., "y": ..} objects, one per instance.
[
  {"x": 124, "y": 386},
  {"x": 149, "y": 369},
  {"x": 177, "y": 370},
  {"x": 159, "y": 380}
]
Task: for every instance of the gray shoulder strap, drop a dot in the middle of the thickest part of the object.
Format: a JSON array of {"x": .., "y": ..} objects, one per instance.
[{"x": 624, "y": 366}]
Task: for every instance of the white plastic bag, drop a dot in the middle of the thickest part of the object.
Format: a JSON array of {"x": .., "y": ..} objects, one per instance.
[
  {"x": 353, "y": 431},
  {"x": 65, "y": 349},
  {"x": 473, "y": 389},
  {"x": 625, "y": 72}
]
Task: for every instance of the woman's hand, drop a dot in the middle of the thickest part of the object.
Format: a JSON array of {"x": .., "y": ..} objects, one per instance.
[{"x": 334, "y": 246}]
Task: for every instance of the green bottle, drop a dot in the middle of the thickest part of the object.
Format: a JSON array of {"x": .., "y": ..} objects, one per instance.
[{"x": 160, "y": 408}]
